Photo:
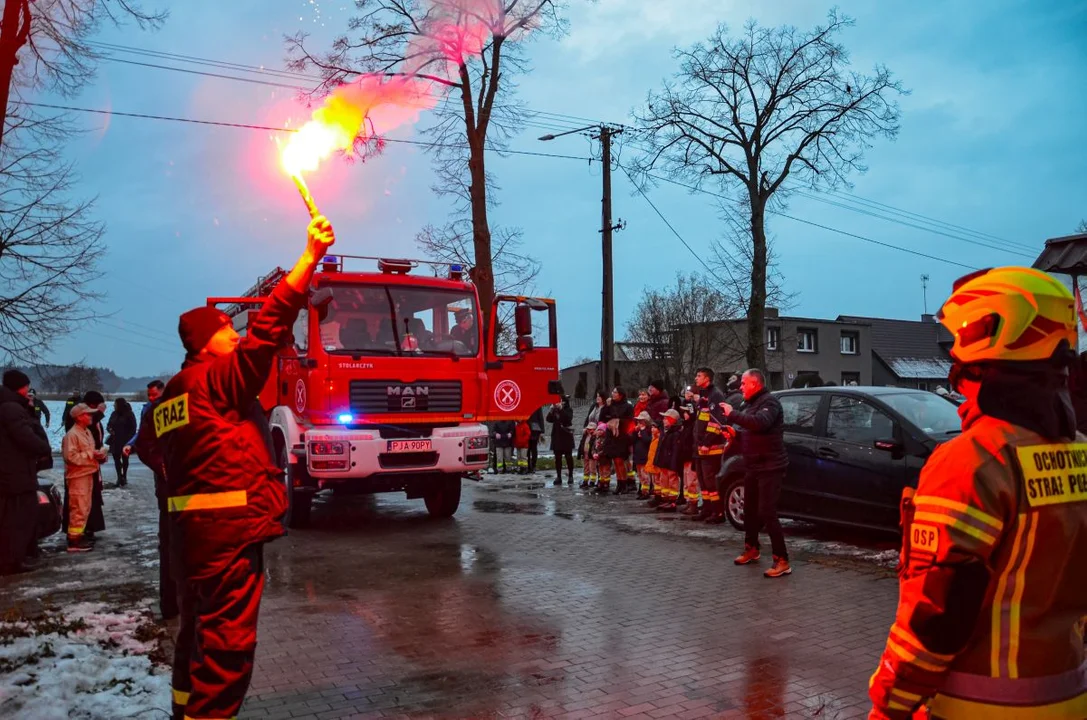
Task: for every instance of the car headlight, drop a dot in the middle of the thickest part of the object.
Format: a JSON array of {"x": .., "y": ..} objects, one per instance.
[{"x": 478, "y": 443}]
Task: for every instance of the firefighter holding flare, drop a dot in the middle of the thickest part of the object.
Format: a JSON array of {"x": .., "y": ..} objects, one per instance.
[
  {"x": 226, "y": 494},
  {"x": 993, "y": 601}
]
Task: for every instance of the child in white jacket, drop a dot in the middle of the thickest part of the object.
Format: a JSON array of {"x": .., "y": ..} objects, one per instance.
[{"x": 81, "y": 462}]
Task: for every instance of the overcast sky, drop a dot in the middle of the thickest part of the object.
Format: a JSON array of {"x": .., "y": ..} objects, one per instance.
[{"x": 993, "y": 139}]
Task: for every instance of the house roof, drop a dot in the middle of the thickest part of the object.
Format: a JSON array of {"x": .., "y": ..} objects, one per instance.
[
  {"x": 911, "y": 349},
  {"x": 1067, "y": 255}
]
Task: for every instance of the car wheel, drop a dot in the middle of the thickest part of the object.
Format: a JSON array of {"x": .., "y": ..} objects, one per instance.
[
  {"x": 734, "y": 503},
  {"x": 442, "y": 498}
]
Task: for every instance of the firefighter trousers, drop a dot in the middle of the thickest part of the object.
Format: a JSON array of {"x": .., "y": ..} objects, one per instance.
[
  {"x": 708, "y": 467},
  {"x": 667, "y": 486},
  {"x": 217, "y": 639},
  {"x": 690, "y": 483}
]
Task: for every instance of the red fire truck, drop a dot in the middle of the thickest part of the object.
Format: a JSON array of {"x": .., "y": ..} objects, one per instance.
[{"x": 389, "y": 378}]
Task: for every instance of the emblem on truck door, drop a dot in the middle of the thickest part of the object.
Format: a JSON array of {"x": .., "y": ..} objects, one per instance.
[
  {"x": 300, "y": 396},
  {"x": 507, "y": 396}
]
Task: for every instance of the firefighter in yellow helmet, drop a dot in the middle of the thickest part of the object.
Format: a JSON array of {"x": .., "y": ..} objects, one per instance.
[{"x": 993, "y": 595}]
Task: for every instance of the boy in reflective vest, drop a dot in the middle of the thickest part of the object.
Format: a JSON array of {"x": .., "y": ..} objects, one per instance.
[
  {"x": 993, "y": 601},
  {"x": 225, "y": 491}
]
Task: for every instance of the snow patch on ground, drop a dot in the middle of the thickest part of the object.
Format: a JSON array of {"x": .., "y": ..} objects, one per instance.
[{"x": 84, "y": 662}]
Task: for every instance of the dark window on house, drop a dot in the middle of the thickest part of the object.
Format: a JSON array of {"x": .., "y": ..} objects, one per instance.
[
  {"x": 851, "y": 378},
  {"x": 773, "y": 336},
  {"x": 850, "y": 343},
  {"x": 799, "y": 411},
  {"x": 807, "y": 340}
]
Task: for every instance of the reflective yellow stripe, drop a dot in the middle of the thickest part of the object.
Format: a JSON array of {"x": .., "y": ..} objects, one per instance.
[
  {"x": 997, "y": 628},
  {"x": 715, "y": 450},
  {"x": 181, "y": 697},
  {"x": 911, "y": 697},
  {"x": 207, "y": 501},
  {"x": 1019, "y": 583},
  {"x": 912, "y": 658},
  {"x": 892, "y": 705},
  {"x": 905, "y": 637},
  {"x": 920, "y": 500},
  {"x": 957, "y": 523},
  {"x": 714, "y": 430},
  {"x": 949, "y": 707}
]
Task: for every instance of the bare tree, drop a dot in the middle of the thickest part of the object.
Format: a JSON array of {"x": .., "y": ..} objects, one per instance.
[
  {"x": 1082, "y": 226},
  {"x": 49, "y": 242},
  {"x": 764, "y": 107},
  {"x": 514, "y": 270},
  {"x": 685, "y": 326},
  {"x": 55, "y": 34},
  {"x": 470, "y": 49}
]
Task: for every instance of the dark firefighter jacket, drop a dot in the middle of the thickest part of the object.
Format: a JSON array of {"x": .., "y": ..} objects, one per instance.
[
  {"x": 224, "y": 488},
  {"x": 709, "y": 420},
  {"x": 669, "y": 449},
  {"x": 762, "y": 432},
  {"x": 503, "y": 433}
]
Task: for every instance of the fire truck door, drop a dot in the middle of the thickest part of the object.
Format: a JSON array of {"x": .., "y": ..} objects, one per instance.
[
  {"x": 294, "y": 372},
  {"x": 522, "y": 357}
]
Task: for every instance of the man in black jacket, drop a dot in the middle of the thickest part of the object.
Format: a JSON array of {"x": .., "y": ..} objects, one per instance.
[
  {"x": 22, "y": 443},
  {"x": 762, "y": 443},
  {"x": 226, "y": 495}
]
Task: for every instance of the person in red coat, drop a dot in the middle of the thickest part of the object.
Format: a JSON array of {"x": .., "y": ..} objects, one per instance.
[
  {"x": 522, "y": 436},
  {"x": 224, "y": 488}
]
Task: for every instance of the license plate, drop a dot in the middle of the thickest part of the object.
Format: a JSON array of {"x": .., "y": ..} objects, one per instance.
[{"x": 396, "y": 446}]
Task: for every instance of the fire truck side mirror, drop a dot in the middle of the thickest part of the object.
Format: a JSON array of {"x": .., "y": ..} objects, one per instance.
[
  {"x": 522, "y": 317},
  {"x": 524, "y": 344}
]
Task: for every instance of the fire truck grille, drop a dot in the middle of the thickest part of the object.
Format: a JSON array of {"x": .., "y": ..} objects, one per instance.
[{"x": 370, "y": 397}]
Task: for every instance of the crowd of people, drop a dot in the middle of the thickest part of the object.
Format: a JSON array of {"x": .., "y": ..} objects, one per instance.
[
  {"x": 85, "y": 447},
  {"x": 669, "y": 450}
]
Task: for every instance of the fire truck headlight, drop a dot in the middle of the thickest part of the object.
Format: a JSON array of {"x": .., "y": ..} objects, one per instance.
[
  {"x": 326, "y": 448},
  {"x": 345, "y": 419},
  {"x": 478, "y": 443}
]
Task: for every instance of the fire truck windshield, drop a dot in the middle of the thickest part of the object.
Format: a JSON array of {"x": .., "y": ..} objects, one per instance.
[{"x": 399, "y": 320}]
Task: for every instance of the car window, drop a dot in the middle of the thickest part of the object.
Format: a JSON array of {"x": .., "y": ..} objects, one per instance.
[
  {"x": 799, "y": 413},
  {"x": 853, "y": 420},
  {"x": 934, "y": 415}
]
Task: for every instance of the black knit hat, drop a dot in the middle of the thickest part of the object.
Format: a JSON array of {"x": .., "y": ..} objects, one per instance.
[
  {"x": 659, "y": 384},
  {"x": 16, "y": 380},
  {"x": 198, "y": 325}
]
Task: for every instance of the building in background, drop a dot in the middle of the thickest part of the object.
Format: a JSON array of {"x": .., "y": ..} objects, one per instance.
[{"x": 908, "y": 353}]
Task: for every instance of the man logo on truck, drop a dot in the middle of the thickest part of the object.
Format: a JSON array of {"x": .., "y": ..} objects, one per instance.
[{"x": 408, "y": 395}]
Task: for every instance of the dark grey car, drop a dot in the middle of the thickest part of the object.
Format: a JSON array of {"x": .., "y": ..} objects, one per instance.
[{"x": 851, "y": 452}]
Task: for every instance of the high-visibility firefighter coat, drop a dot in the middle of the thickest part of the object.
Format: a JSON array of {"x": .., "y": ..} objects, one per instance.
[
  {"x": 993, "y": 595},
  {"x": 225, "y": 490},
  {"x": 708, "y": 437}
]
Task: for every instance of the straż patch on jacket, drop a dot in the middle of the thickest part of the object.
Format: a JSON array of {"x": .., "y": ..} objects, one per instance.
[{"x": 172, "y": 414}]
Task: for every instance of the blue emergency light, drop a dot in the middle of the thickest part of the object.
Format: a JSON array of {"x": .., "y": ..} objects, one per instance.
[{"x": 345, "y": 418}]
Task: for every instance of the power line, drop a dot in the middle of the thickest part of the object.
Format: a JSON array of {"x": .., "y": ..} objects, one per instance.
[
  {"x": 249, "y": 126},
  {"x": 790, "y": 217},
  {"x": 158, "y": 344},
  {"x": 935, "y": 231},
  {"x": 939, "y": 227}
]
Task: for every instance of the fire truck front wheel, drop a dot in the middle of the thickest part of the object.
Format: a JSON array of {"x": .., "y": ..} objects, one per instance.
[
  {"x": 443, "y": 497},
  {"x": 299, "y": 501}
]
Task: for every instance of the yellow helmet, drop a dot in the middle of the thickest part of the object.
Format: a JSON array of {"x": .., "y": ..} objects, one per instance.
[{"x": 1010, "y": 314}]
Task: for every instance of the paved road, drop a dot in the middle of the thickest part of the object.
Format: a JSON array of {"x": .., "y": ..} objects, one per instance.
[{"x": 533, "y": 602}]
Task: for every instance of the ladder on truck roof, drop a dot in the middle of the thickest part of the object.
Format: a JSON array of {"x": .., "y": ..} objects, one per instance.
[{"x": 253, "y": 296}]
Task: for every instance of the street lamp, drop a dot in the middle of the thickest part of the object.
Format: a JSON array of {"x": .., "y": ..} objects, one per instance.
[{"x": 607, "y": 317}]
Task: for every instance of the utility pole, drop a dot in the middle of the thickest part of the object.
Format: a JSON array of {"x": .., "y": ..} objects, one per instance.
[
  {"x": 607, "y": 315},
  {"x": 604, "y": 133},
  {"x": 924, "y": 291}
]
